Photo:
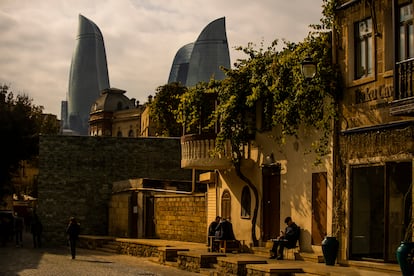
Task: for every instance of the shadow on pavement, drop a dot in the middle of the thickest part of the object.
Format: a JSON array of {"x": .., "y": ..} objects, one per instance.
[
  {"x": 15, "y": 259},
  {"x": 94, "y": 261}
]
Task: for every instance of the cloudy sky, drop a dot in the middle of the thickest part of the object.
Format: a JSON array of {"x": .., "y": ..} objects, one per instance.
[{"x": 141, "y": 38}]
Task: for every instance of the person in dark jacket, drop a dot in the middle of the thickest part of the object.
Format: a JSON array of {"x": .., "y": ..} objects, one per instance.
[
  {"x": 225, "y": 230},
  {"x": 72, "y": 231},
  {"x": 213, "y": 226},
  {"x": 36, "y": 229},
  {"x": 212, "y": 233},
  {"x": 18, "y": 225},
  {"x": 287, "y": 239}
]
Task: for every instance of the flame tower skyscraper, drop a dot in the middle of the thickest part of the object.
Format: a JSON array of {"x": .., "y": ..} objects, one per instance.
[
  {"x": 201, "y": 60},
  {"x": 88, "y": 76}
]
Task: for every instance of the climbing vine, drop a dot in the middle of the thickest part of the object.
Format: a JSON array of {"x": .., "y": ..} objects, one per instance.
[{"x": 272, "y": 79}]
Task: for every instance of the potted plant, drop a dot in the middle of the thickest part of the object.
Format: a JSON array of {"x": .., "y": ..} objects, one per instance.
[
  {"x": 405, "y": 252},
  {"x": 330, "y": 244}
]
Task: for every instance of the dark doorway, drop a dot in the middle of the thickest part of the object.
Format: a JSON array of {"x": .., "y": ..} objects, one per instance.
[
  {"x": 149, "y": 217},
  {"x": 271, "y": 202},
  {"x": 398, "y": 209},
  {"x": 380, "y": 209},
  {"x": 319, "y": 207},
  {"x": 133, "y": 215}
]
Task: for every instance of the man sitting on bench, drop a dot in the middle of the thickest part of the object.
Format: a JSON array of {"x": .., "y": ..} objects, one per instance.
[
  {"x": 225, "y": 237},
  {"x": 287, "y": 239},
  {"x": 225, "y": 230}
]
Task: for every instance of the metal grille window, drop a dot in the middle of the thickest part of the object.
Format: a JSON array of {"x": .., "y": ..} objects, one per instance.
[{"x": 364, "y": 48}]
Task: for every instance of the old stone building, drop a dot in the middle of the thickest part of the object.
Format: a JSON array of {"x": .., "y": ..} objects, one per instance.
[
  {"x": 114, "y": 114},
  {"x": 373, "y": 196}
]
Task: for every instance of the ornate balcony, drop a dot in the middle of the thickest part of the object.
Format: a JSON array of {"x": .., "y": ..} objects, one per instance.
[
  {"x": 403, "y": 103},
  {"x": 197, "y": 152}
]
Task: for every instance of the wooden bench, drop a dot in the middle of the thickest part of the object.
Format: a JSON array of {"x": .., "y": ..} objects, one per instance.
[
  {"x": 225, "y": 246},
  {"x": 229, "y": 246}
]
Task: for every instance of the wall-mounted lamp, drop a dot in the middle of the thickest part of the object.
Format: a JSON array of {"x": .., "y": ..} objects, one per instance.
[
  {"x": 270, "y": 166},
  {"x": 308, "y": 68},
  {"x": 269, "y": 160}
]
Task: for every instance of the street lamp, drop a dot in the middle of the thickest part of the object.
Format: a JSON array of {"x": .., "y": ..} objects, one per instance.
[
  {"x": 308, "y": 68},
  {"x": 270, "y": 166}
]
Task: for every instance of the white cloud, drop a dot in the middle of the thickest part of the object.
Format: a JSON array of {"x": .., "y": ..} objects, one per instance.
[{"x": 141, "y": 38}]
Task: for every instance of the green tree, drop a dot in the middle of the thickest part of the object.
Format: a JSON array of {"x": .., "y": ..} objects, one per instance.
[
  {"x": 163, "y": 109},
  {"x": 195, "y": 111},
  {"x": 20, "y": 124}
]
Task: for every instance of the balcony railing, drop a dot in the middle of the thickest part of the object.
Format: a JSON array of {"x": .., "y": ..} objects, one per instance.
[
  {"x": 403, "y": 103},
  {"x": 198, "y": 152}
]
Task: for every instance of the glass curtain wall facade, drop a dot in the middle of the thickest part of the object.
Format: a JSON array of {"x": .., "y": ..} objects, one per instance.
[
  {"x": 88, "y": 75},
  {"x": 201, "y": 60}
]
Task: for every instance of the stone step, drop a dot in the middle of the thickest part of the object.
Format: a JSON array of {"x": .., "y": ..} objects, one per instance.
[
  {"x": 207, "y": 271},
  {"x": 312, "y": 257},
  {"x": 111, "y": 245},
  {"x": 261, "y": 251},
  {"x": 265, "y": 252},
  {"x": 107, "y": 250}
]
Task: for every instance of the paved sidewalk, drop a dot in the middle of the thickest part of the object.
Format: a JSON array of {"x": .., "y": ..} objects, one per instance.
[
  {"x": 29, "y": 261},
  {"x": 57, "y": 261}
]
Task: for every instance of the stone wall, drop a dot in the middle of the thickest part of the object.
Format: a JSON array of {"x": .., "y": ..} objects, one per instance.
[
  {"x": 76, "y": 175},
  {"x": 181, "y": 217},
  {"x": 118, "y": 212}
]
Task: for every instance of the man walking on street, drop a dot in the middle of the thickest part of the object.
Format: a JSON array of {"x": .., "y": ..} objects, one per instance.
[
  {"x": 73, "y": 231},
  {"x": 18, "y": 229},
  {"x": 36, "y": 230}
]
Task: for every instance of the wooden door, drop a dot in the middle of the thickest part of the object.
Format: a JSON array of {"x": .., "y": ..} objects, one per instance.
[
  {"x": 319, "y": 207},
  {"x": 271, "y": 202}
]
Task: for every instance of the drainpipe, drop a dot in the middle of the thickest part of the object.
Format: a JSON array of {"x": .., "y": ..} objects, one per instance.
[
  {"x": 193, "y": 180},
  {"x": 216, "y": 180}
]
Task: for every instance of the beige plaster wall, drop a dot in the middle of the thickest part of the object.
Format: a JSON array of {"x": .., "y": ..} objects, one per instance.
[{"x": 297, "y": 166}]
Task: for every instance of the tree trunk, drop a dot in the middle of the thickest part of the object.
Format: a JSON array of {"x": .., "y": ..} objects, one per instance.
[{"x": 239, "y": 173}]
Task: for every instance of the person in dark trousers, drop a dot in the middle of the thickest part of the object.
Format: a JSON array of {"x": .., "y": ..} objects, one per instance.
[
  {"x": 4, "y": 233},
  {"x": 72, "y": 231},
  {"x": 225, "y": 230},
  {"x": 287, "y": 239},
  {"x": 18, "y": 225},
  {"x": 212, "y": 232},
  {"x": 36, "y": 229}
]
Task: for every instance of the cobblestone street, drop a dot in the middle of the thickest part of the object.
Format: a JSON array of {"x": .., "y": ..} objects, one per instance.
[{"x": 27, "y": 261}]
